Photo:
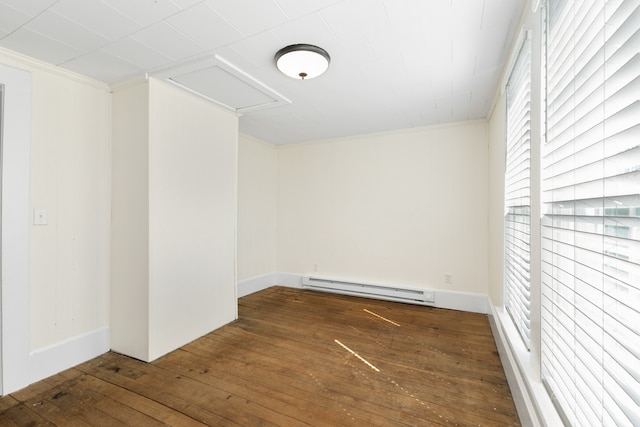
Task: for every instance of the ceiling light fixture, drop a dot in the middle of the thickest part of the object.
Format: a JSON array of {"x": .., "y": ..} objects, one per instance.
[{"x": 302, "y": 61}]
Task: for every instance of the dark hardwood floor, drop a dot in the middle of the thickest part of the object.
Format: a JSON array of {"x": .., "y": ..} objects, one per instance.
[{"x": 294, "y": 358}]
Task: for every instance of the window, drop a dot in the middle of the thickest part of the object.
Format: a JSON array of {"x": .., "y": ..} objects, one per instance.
[
  {"x": 518, "y": 194},
  {"x": 590, "y": 349}
]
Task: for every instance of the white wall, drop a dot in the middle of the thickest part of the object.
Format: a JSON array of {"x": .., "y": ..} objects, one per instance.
[
  {"x": 174, "y": 225},
  {"x": 402, "y": 208},
  {"x": 70, "y": 164},
  {"x": 193, "y": 159},
  {"x": 70, "y": 177},
  {"x": 257, "y": 175},
  {"x": 130, "y": 220}
]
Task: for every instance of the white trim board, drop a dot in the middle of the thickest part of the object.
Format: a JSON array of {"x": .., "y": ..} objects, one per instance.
[
  {"x": 264, "y": 281},
  {"x": 13, "y": 58},
  {"x": 14, "y": 347},
  {"x": 256, "y": 284},
  {"x": 531, "y": 399},
  {"x": 56, "y": 358}
]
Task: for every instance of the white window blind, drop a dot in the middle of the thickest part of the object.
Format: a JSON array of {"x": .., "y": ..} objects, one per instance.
[
  {"x": 517, "y": 295},
  {"x": 590, "y": 349}
]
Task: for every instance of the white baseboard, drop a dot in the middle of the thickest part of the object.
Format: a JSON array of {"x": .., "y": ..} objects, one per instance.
[
  {"x": 462, "y": 301},
  {"x": 519, "y": 392},
  {"x": 531, "y": 399},
  {"x": 51, "y": 360},
  {"x": 290, "y": 280},
  {"x": 256, "y": 283},
  {"x": 259, "y": 283}
]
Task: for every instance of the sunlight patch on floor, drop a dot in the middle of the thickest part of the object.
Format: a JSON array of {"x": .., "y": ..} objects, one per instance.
[
  {"x": 381, "y": 317},
  {"x": 357, "y": 355}
]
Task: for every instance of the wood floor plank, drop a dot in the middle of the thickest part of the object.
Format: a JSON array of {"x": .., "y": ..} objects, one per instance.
[
  {"x": 269, "y": 336},
  {"x": 7, "y": 403},
  {"x": 6, "y": 422},
  {"x": 152, "y": 384},
  {"x": 437, "y": 335},
  {"x": 67, "y": 404},
  {"x": 208, "y": 399},
  {"x": 293, "y": 358},
  {"x": 149, "y": 408},
  {"x": 428, "y": 350},
  {"x": 285, "y": 401},
  {"x": 393, "y": 383},
  {"x": 22, "y": 416},
  {"x": 298, "y": 391}
]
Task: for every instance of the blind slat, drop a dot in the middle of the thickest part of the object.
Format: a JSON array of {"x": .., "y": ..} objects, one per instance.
[
  {"x": 590, "y": 230},
  {"x": 517, "y": 275}
]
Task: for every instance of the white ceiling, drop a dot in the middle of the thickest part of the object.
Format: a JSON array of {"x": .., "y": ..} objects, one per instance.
[{"x": 395, "y": 64}]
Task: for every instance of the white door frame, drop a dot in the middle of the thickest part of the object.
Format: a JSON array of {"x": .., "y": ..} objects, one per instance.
[{"x": 14, "y": 290}]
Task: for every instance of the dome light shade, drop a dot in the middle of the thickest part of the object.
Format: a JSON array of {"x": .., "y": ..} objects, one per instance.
[{"x": 302, "y": 61}]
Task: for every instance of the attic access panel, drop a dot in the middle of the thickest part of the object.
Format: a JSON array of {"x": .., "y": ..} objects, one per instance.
[{"x": 222, "y": 83}]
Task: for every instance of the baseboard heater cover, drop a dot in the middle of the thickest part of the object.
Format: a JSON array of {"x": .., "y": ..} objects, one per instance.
[{"x": 370, "y": 290}]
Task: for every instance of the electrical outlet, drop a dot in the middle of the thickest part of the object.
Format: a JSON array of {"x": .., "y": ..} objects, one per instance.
[
  {"x": 315, "y": 267},
  {"x": 448, "y": 278}
]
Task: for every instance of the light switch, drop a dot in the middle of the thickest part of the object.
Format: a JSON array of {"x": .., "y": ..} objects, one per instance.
[{"x": 40, "y": 216}]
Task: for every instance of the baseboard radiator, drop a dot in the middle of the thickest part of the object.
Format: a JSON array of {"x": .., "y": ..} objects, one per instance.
[{"x": 370, "y": 290}]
